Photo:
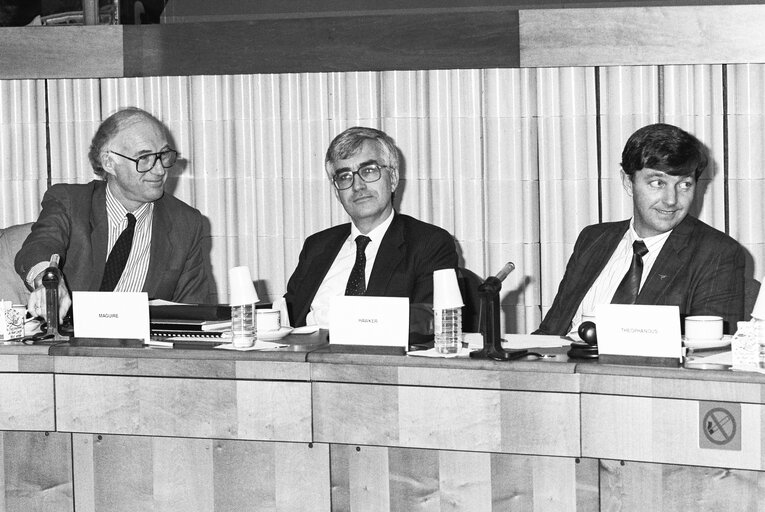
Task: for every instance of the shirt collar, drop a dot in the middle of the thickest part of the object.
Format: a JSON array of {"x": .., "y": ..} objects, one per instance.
[
  {"x": 115, "y": 212},
  {"x": 377, "y": 233},
  {"x": 651, "y": 241}
]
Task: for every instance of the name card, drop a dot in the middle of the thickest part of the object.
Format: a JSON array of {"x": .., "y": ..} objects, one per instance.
[
  {"x": 638, "y": 330},
  {"x": 364, "y": 320},
  {"x": 111, "y": 315}
]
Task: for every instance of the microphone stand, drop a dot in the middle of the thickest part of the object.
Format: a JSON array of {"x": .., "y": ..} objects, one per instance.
[
  {"x": 489, "y": 320},
  {"x": 50, "y": 280}
]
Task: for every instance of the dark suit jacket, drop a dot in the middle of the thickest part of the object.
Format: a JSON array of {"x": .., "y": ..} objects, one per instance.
[
  {"x": 73, "y": 224},
  {"x": 409, "y": 253},
  {"x": 699, "y": 269}
]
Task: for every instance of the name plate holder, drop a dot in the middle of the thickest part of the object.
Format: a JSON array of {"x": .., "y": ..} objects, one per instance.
[
  {"x": 642, "y": 335},
  {"x": 111, "y": 315},
  {"x": 369, "y": 321}
]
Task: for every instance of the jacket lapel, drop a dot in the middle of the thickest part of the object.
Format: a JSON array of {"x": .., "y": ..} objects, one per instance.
[
  {"x": 319, "y": 267},
  {"x": 161, "y": 247},
  {"x": 99, "y": 235},
  {"x": 673, "y": 256},
  {"x": 596, "y": 256},
  {"x": 390, "y": 254}
]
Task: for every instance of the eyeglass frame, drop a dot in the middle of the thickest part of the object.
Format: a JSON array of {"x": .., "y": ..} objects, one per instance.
[
  {"x": 357, "y": 172},
  {"x": 157, "y": 156}
]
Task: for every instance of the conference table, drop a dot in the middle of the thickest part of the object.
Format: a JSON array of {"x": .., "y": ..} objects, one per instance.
[{"x": 325, "y": 427}]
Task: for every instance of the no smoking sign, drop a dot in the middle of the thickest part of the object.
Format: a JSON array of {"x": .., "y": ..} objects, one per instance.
[{"x": 720, "y": 425}]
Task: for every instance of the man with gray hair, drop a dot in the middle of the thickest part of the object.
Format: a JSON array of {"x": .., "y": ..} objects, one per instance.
[
  {"x": 381, "y": 252},
  {"x": 121, "y": 233}
]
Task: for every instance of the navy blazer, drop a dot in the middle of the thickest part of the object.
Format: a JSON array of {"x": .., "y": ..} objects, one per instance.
[
  {"x": 409, "y": 253},
  {"x": 699, "y": 269},
  {"x": 73, "y": 224}
]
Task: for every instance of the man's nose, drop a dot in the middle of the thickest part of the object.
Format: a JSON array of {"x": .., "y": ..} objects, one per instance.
[
  {"x": 158, "y": 168},
  {"x": 670, "y": 195},
  {"x": 358, "y": 183}
]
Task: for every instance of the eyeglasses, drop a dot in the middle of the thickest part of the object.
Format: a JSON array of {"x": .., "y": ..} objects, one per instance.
[
  {"x": 145, "y": 163},
  {"x": 368, "y": 174}
]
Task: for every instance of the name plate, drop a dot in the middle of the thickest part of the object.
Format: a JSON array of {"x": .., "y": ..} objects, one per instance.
[
  {"x": 364, "y": 320},
  {"x": 111, "y": 315},
  {"x": 638, "y": 330}
]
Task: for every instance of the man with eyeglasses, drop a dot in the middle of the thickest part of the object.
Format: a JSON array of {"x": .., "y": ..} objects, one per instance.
[
  {"x": 120, "y": 233},
  {"x": 381, "y": 252}
]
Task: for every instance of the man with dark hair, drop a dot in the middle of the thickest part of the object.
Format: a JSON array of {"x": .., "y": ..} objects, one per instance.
[
  {"x": 122, "y": 233},
  {"x": 662, "y": 256},
  {"x": 381, "y": 252}
]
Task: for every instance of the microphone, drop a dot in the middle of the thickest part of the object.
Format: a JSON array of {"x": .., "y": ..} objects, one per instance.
[
  {"x": 502, "y": 274},
  {"x": 494, "y": 283}
]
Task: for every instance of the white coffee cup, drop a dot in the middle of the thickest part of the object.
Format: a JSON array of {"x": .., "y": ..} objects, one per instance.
[
  {"x": 269, "y": 320},
  {"x": 703, "y": 327}
]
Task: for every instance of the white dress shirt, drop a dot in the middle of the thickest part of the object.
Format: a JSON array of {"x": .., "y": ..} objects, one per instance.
[
  {"x": 337, "y": 277},
  {"x": 604, "y": 287},
  {"x": 137, "y": 266}
]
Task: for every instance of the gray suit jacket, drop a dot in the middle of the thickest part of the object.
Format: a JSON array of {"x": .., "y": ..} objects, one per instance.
[
  {"x": 73, "y": 224},
  {"x": 699, "y": 269}
]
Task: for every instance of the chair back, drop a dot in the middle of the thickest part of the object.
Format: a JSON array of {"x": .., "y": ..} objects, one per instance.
[
  {"x": 12, "y": 287},
  {"x": 468, "y": 282}
]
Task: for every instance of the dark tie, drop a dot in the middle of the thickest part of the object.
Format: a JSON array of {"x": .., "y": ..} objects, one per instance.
[
  {"x": 115, "y": 264},
  {"x": 356, "y": 282},
  {"x": 628, "y": 289}
]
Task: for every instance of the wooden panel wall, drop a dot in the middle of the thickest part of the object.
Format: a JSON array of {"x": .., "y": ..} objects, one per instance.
[
  {"x": 262, "y": 410},
  {"x": 403, "y": 37},
  {"x": 447, "y": 418},
  {"x": 35, "y": 411}
]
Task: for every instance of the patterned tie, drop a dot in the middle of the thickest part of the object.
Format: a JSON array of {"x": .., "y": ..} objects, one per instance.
[
  {"x": 356, "y": 282},
  {"x": 628, "y": 289},
  {"x": 115, "y": 264}
]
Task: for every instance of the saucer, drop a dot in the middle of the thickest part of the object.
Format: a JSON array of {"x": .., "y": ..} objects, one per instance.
[
  {"x": 274, "y": 335},
  {"x": 707, "y": 344}
]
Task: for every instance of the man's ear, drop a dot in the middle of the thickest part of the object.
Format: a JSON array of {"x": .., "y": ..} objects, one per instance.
[
  {"x": 627, "y": 182},
  {"x": 107, "y": 163},
  {"x": 393, "y": 180}
]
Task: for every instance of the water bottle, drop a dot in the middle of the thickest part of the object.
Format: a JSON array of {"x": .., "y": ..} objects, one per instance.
[
  {"x": 243, "y": 326},
  {"x": 757, "y": 331},
  {"x": 447, "y": 325}
]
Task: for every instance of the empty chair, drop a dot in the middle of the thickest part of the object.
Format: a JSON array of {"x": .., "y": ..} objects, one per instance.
[{"x": 12, "y": 287}]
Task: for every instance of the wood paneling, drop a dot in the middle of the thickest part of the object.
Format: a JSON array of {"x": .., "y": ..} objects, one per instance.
[
  {"x": 450, "y": 419},
  {"x": 125, "y": 473},
  {"x": 457, "y": 36},
  {"x": 443, "y": 41},
  {"x": 642, "y": 35},
  {"x": 26, "y": 401},
  {"x": 659, "y": 487},
  {"x": 35, "y": 472},
  {"x": 665, "y": 431},
  {"x": 436, "y": 373},
  {"x": 62, "y": 52},
  {"x": 184, "y": 407},
  {"x": 188, "y": 367},
  {"x": 382, "y": 479}
]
